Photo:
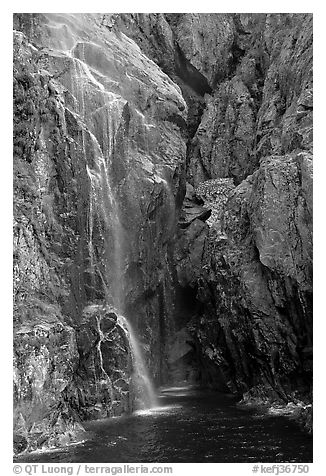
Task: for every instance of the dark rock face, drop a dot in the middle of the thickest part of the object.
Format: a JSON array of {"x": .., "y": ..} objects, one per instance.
[
  {"x": 193, "y": 49},
  {"x": 269, "y": 219},
  {"x": 103, "y": 377},
  {"x": 223, "y": 144},
  {"x": 258, "y": 272},
  {"x": 163, "y": 170},
  {"x": 260, "y": 110},
  {"x": 254, "y": 262}
]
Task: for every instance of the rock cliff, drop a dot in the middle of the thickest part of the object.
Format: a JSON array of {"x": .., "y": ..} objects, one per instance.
[{"x": 163, "y": 170}]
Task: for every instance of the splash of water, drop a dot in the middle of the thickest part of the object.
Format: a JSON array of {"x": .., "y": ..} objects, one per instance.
[
  {"x": 148, "y": 398},
  {"x": 104, "y": 378}
]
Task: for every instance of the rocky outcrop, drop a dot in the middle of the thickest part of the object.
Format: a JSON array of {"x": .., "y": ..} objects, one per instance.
[
  {"x": 192, "y": 208},
  {"x": 258, "y": 272},
  {"x": 224, "y": 141},
  {"x": 195, "y": 50},
  {"x": 64, "y": 375},
  {"x": 103, "y": 384},
  {"x": 259, "y": 110},
  {"x": 45, "y": 360}
]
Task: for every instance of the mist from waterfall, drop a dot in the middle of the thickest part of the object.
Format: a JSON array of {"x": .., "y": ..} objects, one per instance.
[{"x": 146, "y": 391}]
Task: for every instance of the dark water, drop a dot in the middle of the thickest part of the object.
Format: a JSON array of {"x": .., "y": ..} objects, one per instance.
[{"x": 189, "y": 426}]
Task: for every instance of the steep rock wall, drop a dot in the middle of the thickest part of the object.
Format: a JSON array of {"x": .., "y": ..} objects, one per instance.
[
  {"x": 98, "y": 155},
  {"x": 250, "y": 128},
  {"x": 256, "y": 130}
]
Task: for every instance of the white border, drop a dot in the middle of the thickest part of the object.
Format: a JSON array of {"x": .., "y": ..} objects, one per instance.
[{"x": 315, "y": 7}]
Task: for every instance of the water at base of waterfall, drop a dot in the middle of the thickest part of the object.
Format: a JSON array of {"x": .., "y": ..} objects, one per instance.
[
  {"x": 188, "y": 426},
  {"x": 145, "y": 394}
]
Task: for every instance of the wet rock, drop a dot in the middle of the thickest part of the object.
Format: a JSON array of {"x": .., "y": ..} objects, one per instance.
[
  {"x": 45, "y": 359},
  {"x": 296, "y": 410},
  {"x": 94, "y": 100},
  {"x": 305, "y": 418},
  {"x": 105, "y": 365},
  {"x": 20, "y": 443}
]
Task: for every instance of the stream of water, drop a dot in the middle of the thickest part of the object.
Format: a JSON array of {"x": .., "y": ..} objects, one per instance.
[
  {"x": 104, "y": 208},
  {"x": 189, "y": 425},
  {"x": 146, "y": 393}
]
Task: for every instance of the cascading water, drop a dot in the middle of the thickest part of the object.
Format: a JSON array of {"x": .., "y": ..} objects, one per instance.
[
  {"x": 104, "y": 209},
  {"x": 145, "y": 390}
]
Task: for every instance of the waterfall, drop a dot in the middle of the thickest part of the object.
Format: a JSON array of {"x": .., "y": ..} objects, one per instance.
[
  {"x": 148, "y": 398},
  {"x": 104, "y": 206}
]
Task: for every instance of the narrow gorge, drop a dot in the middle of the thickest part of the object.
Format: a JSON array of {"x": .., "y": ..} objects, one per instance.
[{"x": 162, "y": 214}]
